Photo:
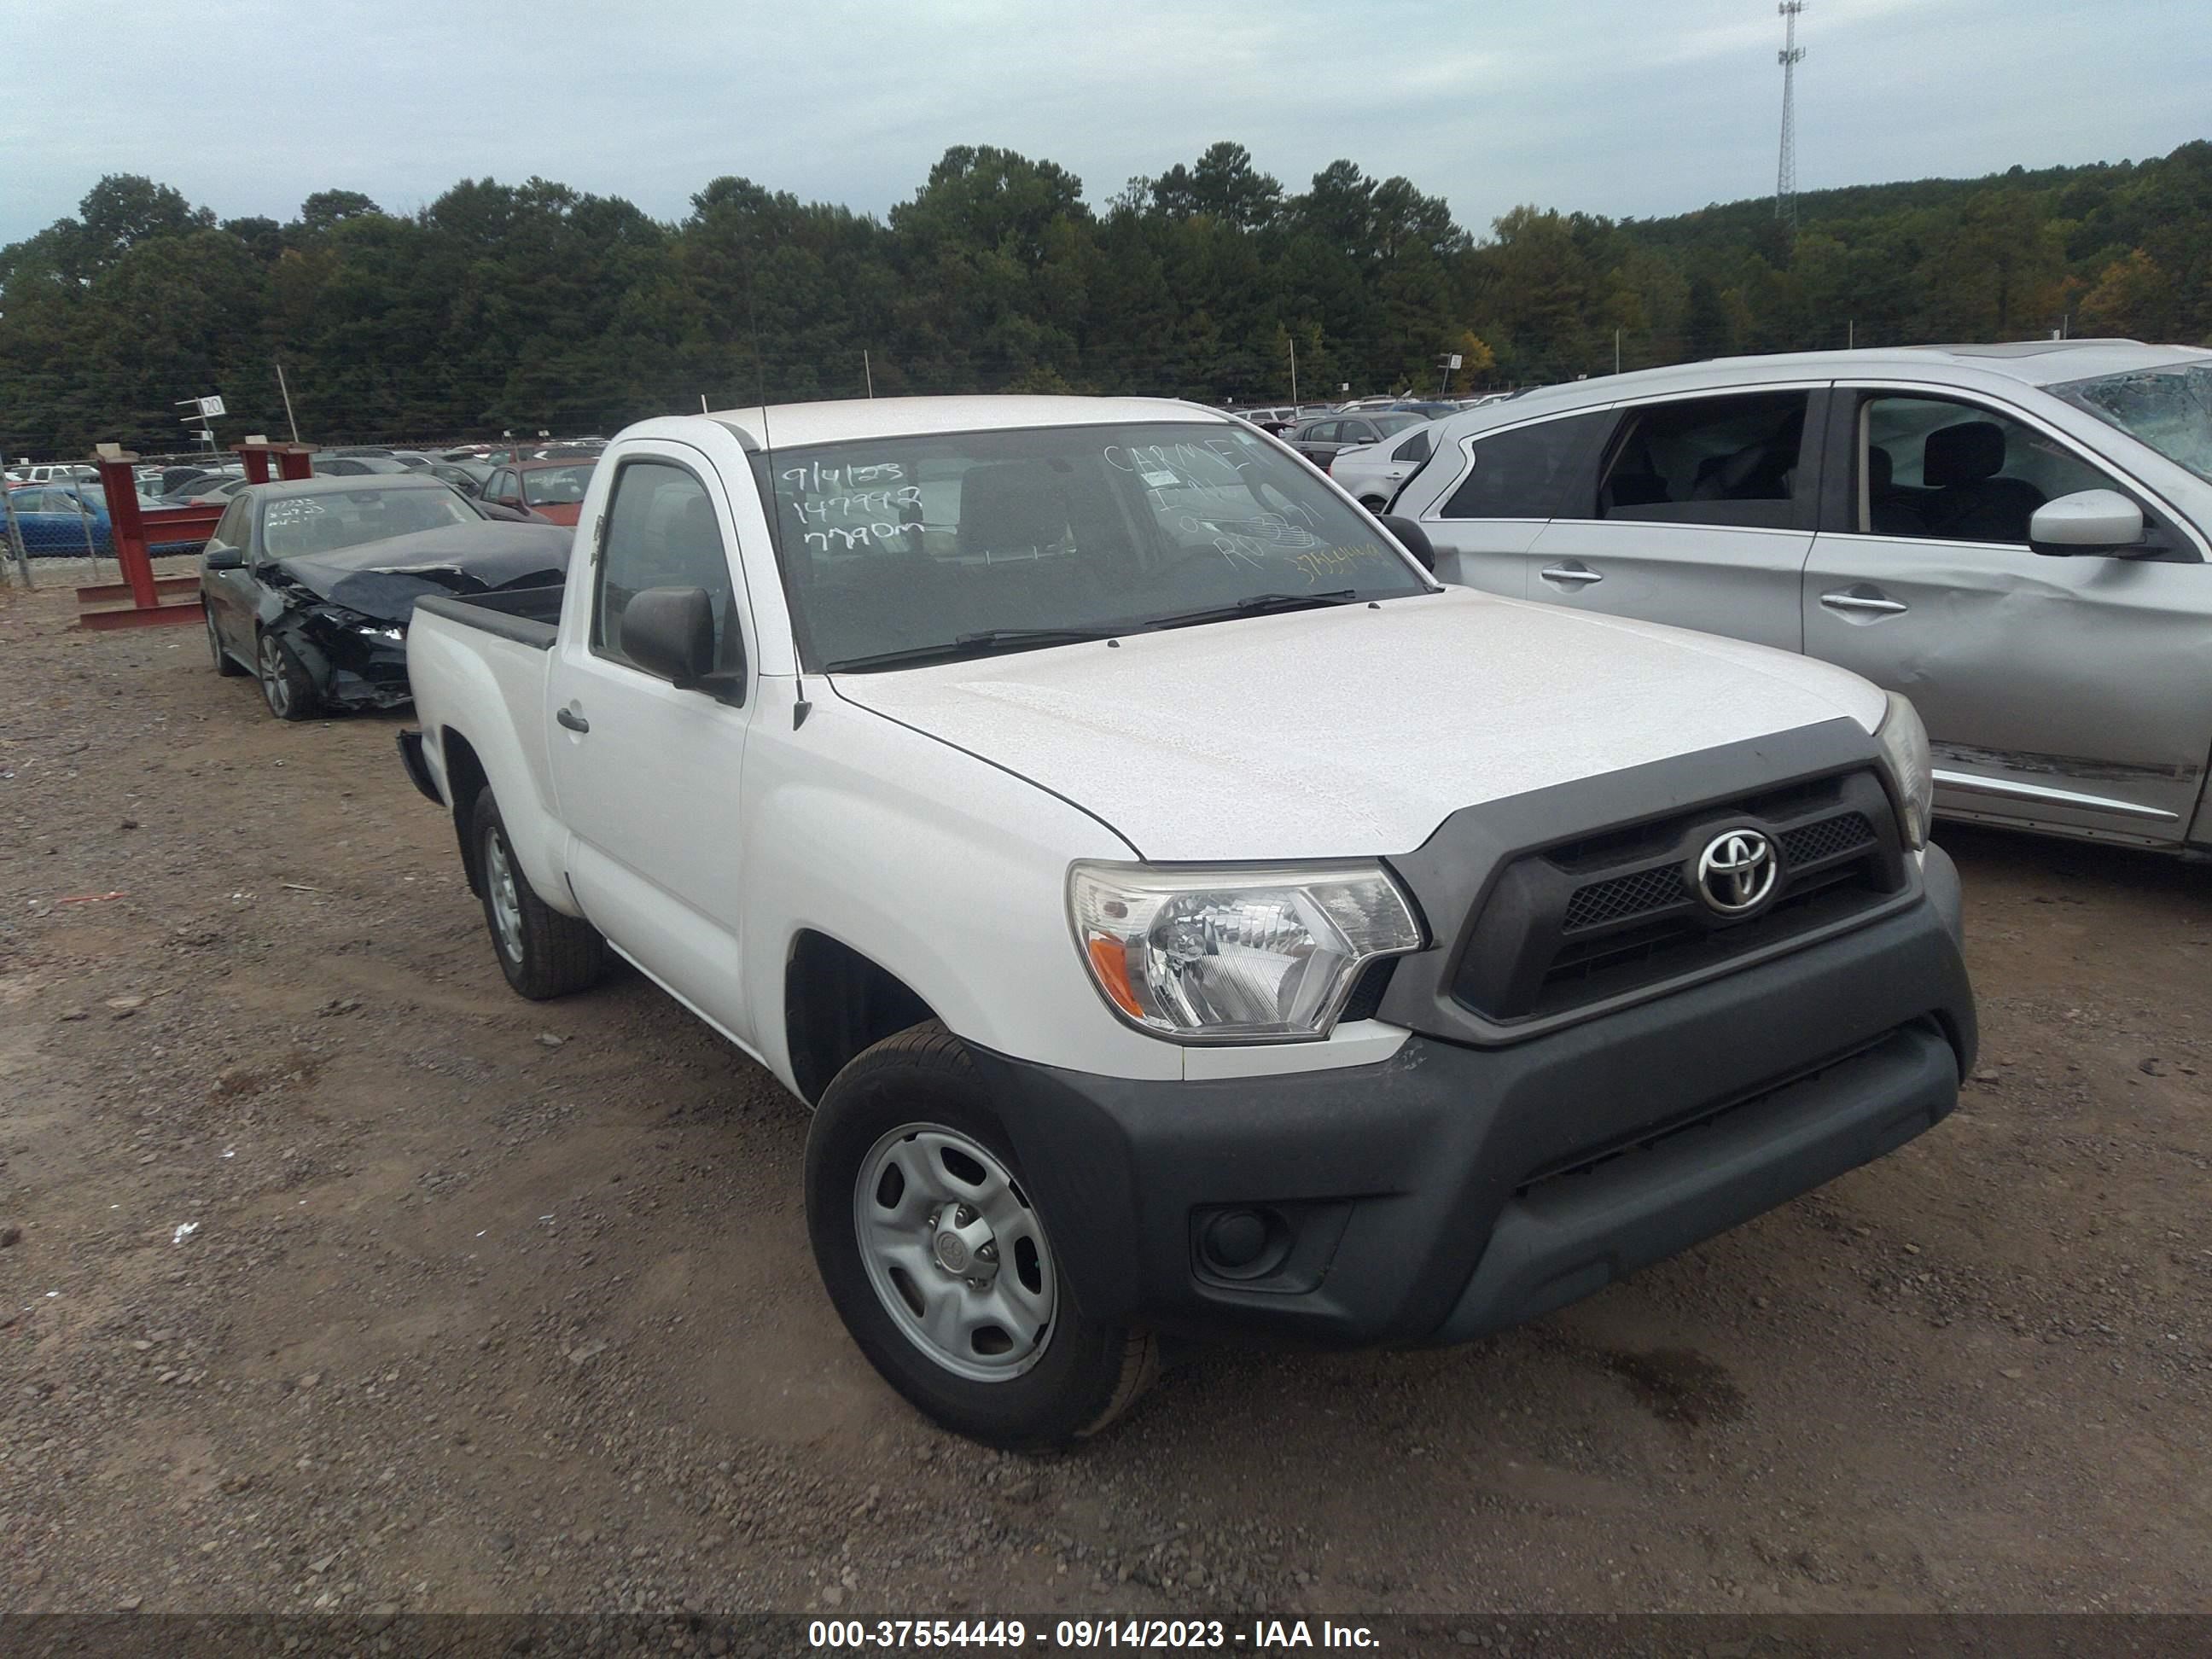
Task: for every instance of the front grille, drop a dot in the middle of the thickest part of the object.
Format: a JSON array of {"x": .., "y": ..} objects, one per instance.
[
  {"x": 1586, "y": 920},
  {"x": 1847, "y": 832},
  {"x": 1625, "y": 895}
]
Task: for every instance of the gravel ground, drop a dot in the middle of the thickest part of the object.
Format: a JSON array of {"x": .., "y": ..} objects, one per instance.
[{"x": 334, "y": 1277}]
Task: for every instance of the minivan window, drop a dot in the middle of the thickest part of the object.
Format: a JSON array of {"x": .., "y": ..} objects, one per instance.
[
  {"x": 1959, "y": 472},
  {"x": 1520, "y": 473},
  {"x": 1728, "y": 460}
]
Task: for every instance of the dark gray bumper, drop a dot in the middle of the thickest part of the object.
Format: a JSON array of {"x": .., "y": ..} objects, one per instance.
[{"x": 1454, "y": 1189}]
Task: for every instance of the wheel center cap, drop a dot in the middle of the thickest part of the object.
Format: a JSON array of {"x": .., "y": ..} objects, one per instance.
[{"x": 952, "y": 1253}]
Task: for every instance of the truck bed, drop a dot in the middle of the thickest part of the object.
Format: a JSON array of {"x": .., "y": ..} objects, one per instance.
[{"x": 528, "y": 615}]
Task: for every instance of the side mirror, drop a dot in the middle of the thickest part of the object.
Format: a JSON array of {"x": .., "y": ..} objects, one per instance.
[
  {"x": 2089, "y": 522},
  {"x": 220, "y": 557},
  {"x": 670, "y": 631},
  {"x": 1414, "y": 540}
]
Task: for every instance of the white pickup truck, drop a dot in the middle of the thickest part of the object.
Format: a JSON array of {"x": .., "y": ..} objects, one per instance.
[{"x": 1184, "y": 917}]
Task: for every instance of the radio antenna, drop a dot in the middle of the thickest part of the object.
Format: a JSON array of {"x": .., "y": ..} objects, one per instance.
[{"x": 1785, "y": 173}]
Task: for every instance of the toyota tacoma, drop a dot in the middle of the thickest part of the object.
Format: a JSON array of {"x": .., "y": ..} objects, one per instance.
[{"x": 1184, "y": 917}]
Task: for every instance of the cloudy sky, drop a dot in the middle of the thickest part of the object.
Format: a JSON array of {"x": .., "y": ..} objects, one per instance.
[{"x": 1616, "y": 106}]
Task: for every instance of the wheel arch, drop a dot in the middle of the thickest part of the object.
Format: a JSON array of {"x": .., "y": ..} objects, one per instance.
[
  {"x": 837, "y": 1003},
  {"x": 465, "y": 780}
]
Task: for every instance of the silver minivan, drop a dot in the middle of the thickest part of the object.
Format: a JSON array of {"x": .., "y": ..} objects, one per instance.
[{"x": 2015, "y": 537}]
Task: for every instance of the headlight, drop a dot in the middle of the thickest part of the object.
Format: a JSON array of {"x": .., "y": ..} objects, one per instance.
[
  {"x": 1234, "y": 955},
  {"x": 1903, "y": 742}
]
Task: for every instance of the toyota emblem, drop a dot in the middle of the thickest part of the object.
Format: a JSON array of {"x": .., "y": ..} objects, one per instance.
[{"x": 1735, "y": 874}]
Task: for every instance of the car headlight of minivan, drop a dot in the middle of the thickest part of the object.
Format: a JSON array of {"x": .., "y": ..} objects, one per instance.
[
  {"x": 1912, "y": 768},
  {"x": 1234, "y": 954}
]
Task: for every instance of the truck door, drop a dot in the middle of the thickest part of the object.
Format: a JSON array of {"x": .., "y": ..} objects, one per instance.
[
  {"x": 2066, "y": 691},
  {"x": 649, "y": 778}
]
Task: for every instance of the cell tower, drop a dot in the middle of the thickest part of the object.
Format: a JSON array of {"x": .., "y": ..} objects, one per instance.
[{"x": 1785, "y": 175}]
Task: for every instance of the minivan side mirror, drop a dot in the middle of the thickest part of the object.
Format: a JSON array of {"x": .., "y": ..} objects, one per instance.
[
  {"x": 2088, "y": 523},
  {"x": 1414, "y": 540},
  {"x": 220, "y": 557}
]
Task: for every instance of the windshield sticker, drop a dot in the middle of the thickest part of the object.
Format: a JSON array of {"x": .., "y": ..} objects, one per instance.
[
  {"x": 840, "y": 509},
  {"x": 817, "y": 479},
  {"x": 1337, "y": 561},
  {"x": 1180, "y": 466}
]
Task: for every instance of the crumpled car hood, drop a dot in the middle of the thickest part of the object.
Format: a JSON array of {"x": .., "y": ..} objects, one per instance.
[
  {"x": 1353, "y": 732},
  {"x": 384, "y": 578}
]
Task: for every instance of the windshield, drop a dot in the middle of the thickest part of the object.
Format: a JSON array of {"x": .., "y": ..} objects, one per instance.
[
  {"x": 331, "y": 520},
  {"x": 901, "y": 545},
  {"x": 2169, "y": 408},
  {"x": 559, "y": 486},
  {"x": 1391, "y": 425}
]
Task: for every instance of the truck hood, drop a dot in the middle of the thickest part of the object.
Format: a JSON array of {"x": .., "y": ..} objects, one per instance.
[{"x": 1353, "y": 731}]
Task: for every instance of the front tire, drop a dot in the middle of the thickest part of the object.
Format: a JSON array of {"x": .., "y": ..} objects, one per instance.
[
  {"x": 286, "y": 685},
  {"x": 543, "y": 953},
  {"x": 937, "y": 1258}
]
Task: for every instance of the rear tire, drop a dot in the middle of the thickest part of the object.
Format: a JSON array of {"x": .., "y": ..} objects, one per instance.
[
  {"x": 543, "y": 953},
  {"x": 225, "y": 664},
  {"x": 903, "y": 1136},
  {"x": 1374, "y": 504}
]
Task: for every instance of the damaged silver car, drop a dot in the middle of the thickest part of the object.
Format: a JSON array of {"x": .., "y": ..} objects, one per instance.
[
  {"x": 2015, "y": 537},
  {"x": 308, "y": 585}
]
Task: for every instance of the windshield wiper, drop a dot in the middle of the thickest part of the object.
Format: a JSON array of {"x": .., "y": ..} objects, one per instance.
[
  {"x": 969, "y": 645},
  {"x": 1258, "y": 604}
]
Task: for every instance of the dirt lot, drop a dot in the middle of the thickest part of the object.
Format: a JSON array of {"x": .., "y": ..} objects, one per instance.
[{"x": 493, "y": 1305}]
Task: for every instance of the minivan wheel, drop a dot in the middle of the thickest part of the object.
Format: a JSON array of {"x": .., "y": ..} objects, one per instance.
[
  {"x": 938, "y": 1257},
  {"x": 542, "y": 952},
  {"x": 225, "y": 664},
  {"x": 286, "y": 687},
  {"x": 1373, "y": 503}
]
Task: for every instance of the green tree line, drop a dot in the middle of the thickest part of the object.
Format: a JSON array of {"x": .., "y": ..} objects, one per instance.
[{"x": 532, "y": 306}]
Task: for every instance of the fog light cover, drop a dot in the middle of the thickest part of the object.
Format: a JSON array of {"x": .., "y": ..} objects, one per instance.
[{"x": 1199, "y": 954}]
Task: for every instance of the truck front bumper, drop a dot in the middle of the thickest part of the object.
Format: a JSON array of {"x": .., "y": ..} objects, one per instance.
[{"x": 1451, "y": 1191}]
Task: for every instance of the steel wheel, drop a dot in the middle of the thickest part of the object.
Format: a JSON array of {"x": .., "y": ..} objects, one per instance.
[
  {"x": 506, "y": 902},
  {"x": 955, "y": 1253},
  {"x": 276, "y": 682}
]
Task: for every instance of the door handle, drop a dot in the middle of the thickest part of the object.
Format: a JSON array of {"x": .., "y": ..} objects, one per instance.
[
  {"x": 1569, "y": 573},
  {"x": 572, "y": 720},
  {"x": 1842, "y": 600}
]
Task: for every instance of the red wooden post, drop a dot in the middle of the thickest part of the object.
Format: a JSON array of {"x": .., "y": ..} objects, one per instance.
[
  {"x": 256, "y": 457},
  {"x": 295, "y": 461}
]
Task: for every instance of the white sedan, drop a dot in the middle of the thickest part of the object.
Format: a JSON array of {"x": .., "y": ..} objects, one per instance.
[{"x": 1372, "y": 472}]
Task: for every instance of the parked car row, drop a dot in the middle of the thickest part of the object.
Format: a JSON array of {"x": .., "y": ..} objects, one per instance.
[{"x": 57, "y": 519}]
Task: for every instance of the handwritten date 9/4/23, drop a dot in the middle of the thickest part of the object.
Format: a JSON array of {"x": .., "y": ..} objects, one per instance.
[{"x": 1261, "y": 1636}]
